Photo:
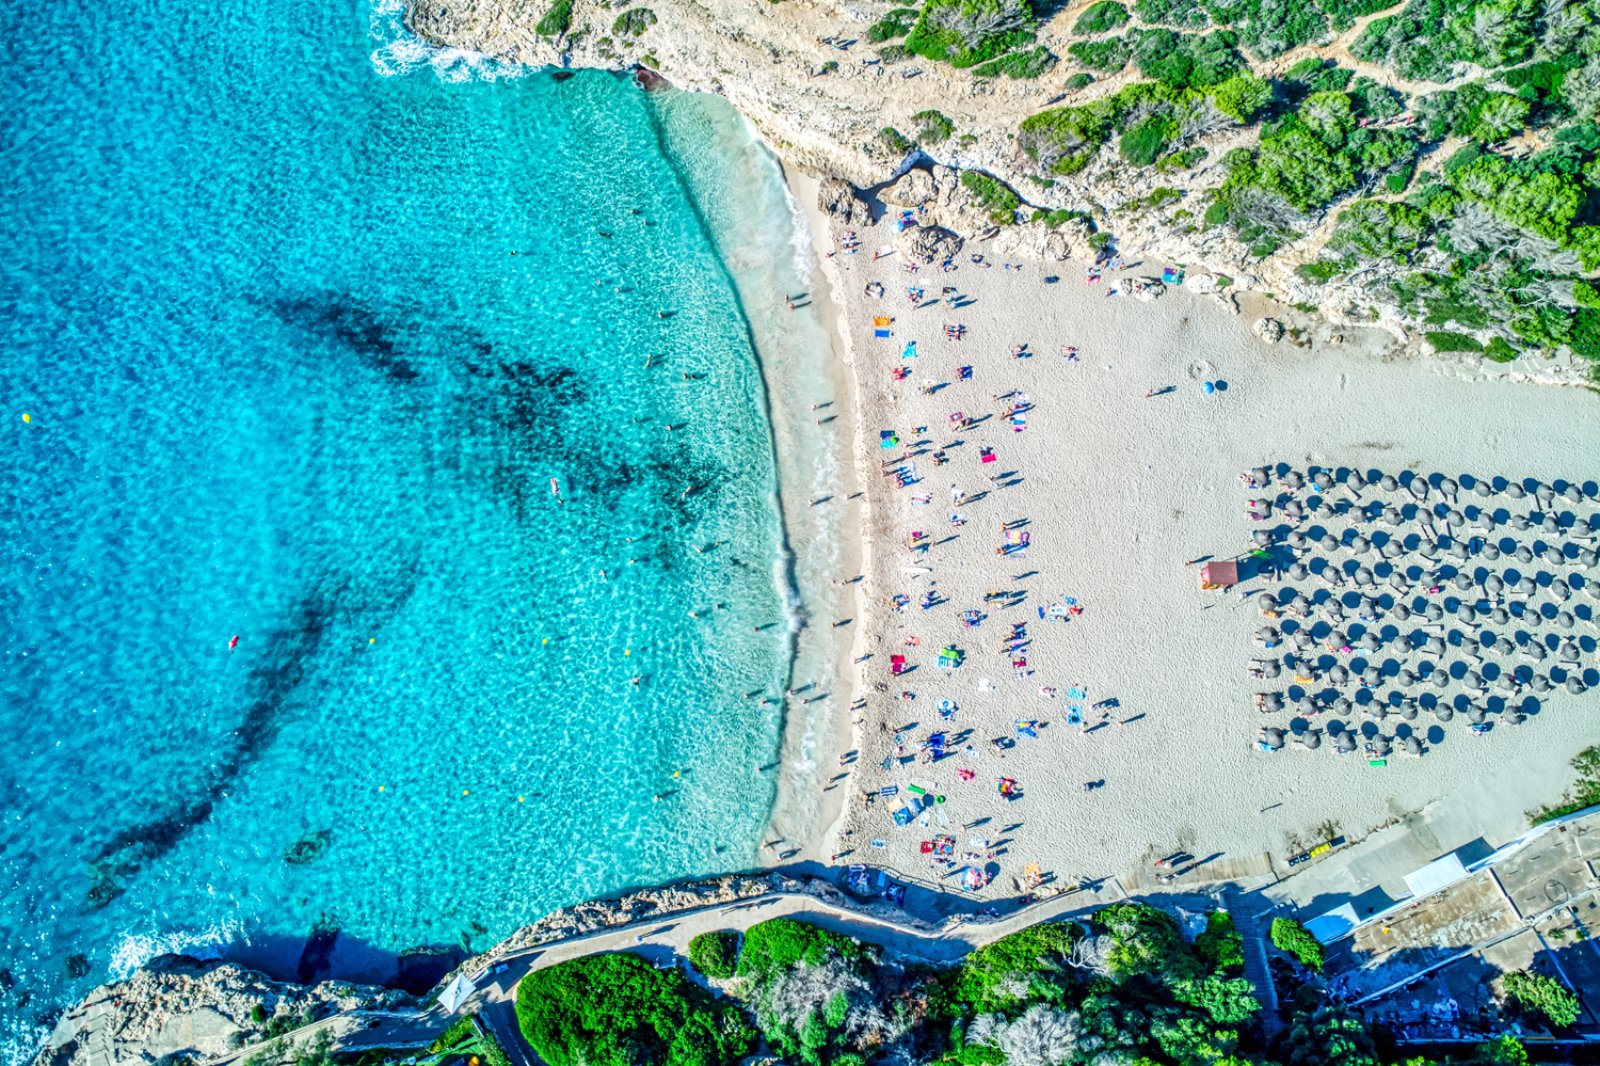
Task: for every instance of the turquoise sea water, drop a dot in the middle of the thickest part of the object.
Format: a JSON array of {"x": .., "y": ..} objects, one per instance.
[{"x": 288, "y": 381}]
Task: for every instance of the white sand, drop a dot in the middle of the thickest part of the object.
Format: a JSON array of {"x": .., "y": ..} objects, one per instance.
[{"x": 1118, "y": 491}]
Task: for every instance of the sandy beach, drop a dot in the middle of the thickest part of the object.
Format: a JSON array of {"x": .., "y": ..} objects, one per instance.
[{"x": 1122, "y": 469}]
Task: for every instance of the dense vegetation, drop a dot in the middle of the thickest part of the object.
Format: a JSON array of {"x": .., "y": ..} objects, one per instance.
[
  {"x": 1128, "y": 987},
  {"x": 618, "y": 1010},
  {"x": 1490, "y": 245},
  {"x": 1543, "y": 996},
  {"x": 1585, "y": 793},
  {"x": 965, "y": 33}
]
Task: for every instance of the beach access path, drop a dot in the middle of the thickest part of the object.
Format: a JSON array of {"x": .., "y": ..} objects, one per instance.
[{"x": 664, "y": 939}]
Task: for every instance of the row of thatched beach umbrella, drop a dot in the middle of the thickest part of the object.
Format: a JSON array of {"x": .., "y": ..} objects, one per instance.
[{"x": 1441, "y": 528}]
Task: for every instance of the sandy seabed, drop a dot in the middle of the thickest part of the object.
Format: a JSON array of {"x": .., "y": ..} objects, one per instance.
[{"x": 1117, "y": 491}]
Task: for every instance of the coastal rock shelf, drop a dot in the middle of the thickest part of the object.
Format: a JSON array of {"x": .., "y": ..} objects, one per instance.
[{"x": 1407, "y": 600}]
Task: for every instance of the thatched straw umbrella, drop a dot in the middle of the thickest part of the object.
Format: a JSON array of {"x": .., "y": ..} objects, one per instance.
[
  {"x": 1575, "y": 685},
  {"x": 1328, "y": 543},
  {"x": 1483, "y": 488},
  {"x": 1443, "y": 711},
  {"x": 1419, "y": 488},
  {"x": 1466, "y": 614},
  {"x": 1311, "y": 739},
  {"x": 1572, "y": 494},
  {"x": 1381, "y": 746},
  {"x": 1298, "y": 540},
  {"x": 1391, "y": 516},
  {"x": 1359, "y": 544},
  {"x": 1540, "y": 683},
  {"x": 1406, "y": 677},
  {"x": 1372, "y": 677},
  {"x": 1568, "y": 651},
  {"x": 1408, "y": 710},
  {"x": 1462, "y": 582},
  {"x": 1344, "y": 742},
  {"x": 1515, "y": 490},
  {"x": 1499, "y": 616},
  {"x": 1520, "y": 522},
  {"x": 1524, "y": 586},
  {"x": 1363, "y": 576},
  {"x": 1490, "y": 552},
  {"x": 1401, "y": 613},
  {"x": 1544, "y": 494},
  {"x": 1294, "y": 480},
  {"x": 1434, "y": 612},
  {"x": 1514, "y": 717},
  {"x": 1270, "y": 668},
  {"x": 1273, "y": 738},
  {"x": 1272, "y": 701},
  {"x": 1299, "y": 571},
  {"x": 1268, "y": 635},
  {"x": 1493, "y": 585},
  {"x": 1564, "y": 619},
  {"x": 1322, "y": 480},
  {"x": 1476, "y": 714},
  {"x": 1262, "y": 538},
  {"x": 1388, "y": 483},
  {"x": 1338, "y": 675},
  {"x": 1413, "y": 746},
  {"x": 1447, "y": 488},
  {"x": 1440, "y": 679},
  {"x": 1428, "y": 550}
]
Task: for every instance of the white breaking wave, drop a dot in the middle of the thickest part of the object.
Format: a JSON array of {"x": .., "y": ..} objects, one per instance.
[
  {"x": 133, "y": 950},
  {"x": 398, "y": 51}
]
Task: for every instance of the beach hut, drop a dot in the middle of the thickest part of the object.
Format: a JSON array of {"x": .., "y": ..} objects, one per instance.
[{"x": 1219, "y": 575}]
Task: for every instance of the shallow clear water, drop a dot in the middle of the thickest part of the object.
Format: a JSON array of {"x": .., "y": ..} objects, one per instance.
[{"x": 288, "y": 381}]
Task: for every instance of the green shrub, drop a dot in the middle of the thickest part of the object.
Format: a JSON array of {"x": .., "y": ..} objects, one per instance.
[
  {"x": 633, "y": 22},
  {"x": 1585, "y": 340},
  {"x": 1186, "y": 60},
  {"x": 932, "y": 127},
  {"x": 1107, "y": 57},
  {"x": 1219, "y": 945},
  {"x": 1445, "y": 341},
  {"x": 556, "y": 21},
  {"x": 258, "y": 1014},
  {"x": 1543, "y": 995},
  {"x": 1181, "y": 160},
  {"x": 780, "y": 943},
  {"x": 1268, "y": 28},
  {"x": 994, "y": 195},
  {"x": 1027, "y": 964},
  {"x": 1498, "y": 351},
  {"x": 1428, "y": 37},
  {"x": 1029, "y": 63},
  {"x": 1146, "y": 940},
  {"x": 1179, "y": 14},
  {"x": 618, "y": 1010},
  {"x": 1226, "y": 1000},
  {"x": 893, "y": 141},
  {"x": 1078, "y": 81},
  {"x": 1292, "y": 938},
  {"x": 715, "y": 954},
  {"x": 457, "y": 1031},
  {"x": 965, "y": 33},
  {"x": 1316, "y": 75},
  {"x": 1321, "y": 272},
  {"x": 896, "y": 23},
  {"x": 1144, "y": 141},
  {"x": 1101, "y": 17}
]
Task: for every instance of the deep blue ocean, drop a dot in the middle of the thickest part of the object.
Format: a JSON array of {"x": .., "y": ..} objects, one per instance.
[{"x": 304, "y": 321}]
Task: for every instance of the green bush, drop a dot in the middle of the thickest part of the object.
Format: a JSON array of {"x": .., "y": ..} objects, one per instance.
[
  {"x": 893, "y": 141},
  {"x": 457, "y": 1031},
  {"x": 1144, "y": 142},
  {"x": 1317, "y": 75},
  {"x": 1498, "y": 351},
  {"x": 1445, "y": 341},
  {"x": 896, "y": 23},
  {"x": 1107, "y": 57},
  {"x": 780, "y": 943},
  {"x": 1428, "y": 37},
  {"x": 1029, "y": 63},
  {"x": 1078, "y": 81},
  {"x": 618, "y": 1010},
  {"x": 995, "y": 196},
  {"x": 932, "y": 127},
  {"x": 1146, "y": 940},
  {"x": 1292, "y": 938},
  {"x": 1219, "y": 945},
  {"x": 1268, "y": 28},
  {"x": 633, "y": 22},
  {"x": 965, "y": 33},
  {"x": 1543, "y": 995},
  {"x": 1101, "y": 17},
  {"x": 1027, "y": 964},
  {"x": 1186, "y": 60},
  {"x": 715, "y": 954},
  {"x": 557, "y": 21},
  {"x": 1321, "y": 272},
  {"x": 1179, "y": 14}
]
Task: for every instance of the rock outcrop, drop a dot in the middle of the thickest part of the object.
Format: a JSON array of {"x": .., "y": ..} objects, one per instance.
[
  {"x": 928, "y": 244},
  {"x": 178, "y": 1007},
  {"x": 839, "y": 201}
]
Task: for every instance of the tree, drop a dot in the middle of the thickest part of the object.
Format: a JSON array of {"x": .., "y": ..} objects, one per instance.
[
  {"x": 1227, "y": 1000},
  {"x": 715, "y": 954},
  {"x": 1219, "y": 945},
  {"x": 1329, "y": 1038},
  {"x": 1544, "y": 995},
  {"x": 1147, "y": 941},
  {"x": 1289, "y": 936},
  {"x": 616, "y": 1010}
]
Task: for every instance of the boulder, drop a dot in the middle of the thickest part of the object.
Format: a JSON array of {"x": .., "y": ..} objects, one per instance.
[
  {"x": 1269, "y": 330},
  {"x": 1204, "y": 284},
  {"x": 839, "y": 201},
  {"x": 928, "y": 244},
  {"x": 915, "y": 188}
]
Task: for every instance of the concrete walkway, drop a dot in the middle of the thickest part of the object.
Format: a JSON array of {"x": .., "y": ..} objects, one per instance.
[{"x": 666, "y": 938}]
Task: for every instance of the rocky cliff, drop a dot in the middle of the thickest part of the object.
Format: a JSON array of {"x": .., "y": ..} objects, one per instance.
[{"x": 179, "y": 1008}]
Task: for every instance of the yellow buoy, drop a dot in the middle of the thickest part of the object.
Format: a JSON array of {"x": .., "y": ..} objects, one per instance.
[
  {"x": 466, "y": 792},
  {"x": 627, "y": 651},
  {"x": 520, "y": 799},
  {"x": 26, "y": 417},
  {"x": 380, "y": 788}
]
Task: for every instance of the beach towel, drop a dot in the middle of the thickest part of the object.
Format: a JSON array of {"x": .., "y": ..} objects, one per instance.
[
  {"x": 1077, "y": 694},
  {"x": 909, "y": 351}
]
